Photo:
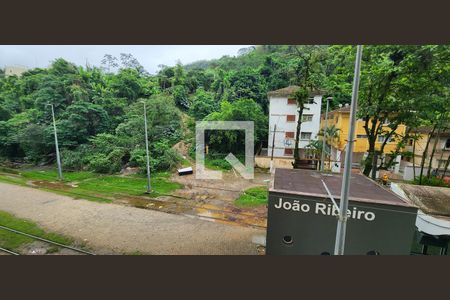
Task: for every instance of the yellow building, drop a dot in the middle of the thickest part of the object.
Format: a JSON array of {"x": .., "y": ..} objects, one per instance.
[
  {"x": 340, "y": 118},
  {"x": 441, "y": 154}
]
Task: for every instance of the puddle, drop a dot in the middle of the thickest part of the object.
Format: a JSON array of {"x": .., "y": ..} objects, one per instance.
[
  {"x": 204, "y": 211},
  {"x": 50, "y": 184},
  {"x": 154, "y": 204},
  {"x": 221, "y": 215}
]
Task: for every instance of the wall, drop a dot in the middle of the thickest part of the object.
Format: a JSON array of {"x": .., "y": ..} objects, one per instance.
[
  {"x": 278, "y": 162},
  {"x": 408, "y": 172}
]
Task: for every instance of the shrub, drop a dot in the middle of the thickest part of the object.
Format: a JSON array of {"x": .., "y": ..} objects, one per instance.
[
  {"x": 107, "y": 164},
  {"x": 162, "y": 158},
  {"x": 77, "y": 159},
  {"x": 99, "y": 163},
  {"x": 432, "y": 181}
]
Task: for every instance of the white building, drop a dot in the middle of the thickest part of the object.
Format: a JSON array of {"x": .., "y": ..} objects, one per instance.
[
  {"x": 15, "y": 70},
  {"x": 283, "y": 113}
]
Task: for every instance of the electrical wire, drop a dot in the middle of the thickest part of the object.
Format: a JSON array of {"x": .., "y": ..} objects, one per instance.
[
  {"x": 9, "y": 251},
  {"x": 45, "y": 240}
]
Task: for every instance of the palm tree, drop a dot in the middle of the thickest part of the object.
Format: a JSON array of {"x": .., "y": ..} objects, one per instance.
[
  {"x": 331, "y": 135},
  {"x": 315, "y": 147}
]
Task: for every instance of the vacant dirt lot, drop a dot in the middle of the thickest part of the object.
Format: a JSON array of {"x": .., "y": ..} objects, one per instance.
[{"x": 116, "y": 229}]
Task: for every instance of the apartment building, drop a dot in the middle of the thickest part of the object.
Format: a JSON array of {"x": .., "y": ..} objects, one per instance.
[{"x": 283, "y": 117}]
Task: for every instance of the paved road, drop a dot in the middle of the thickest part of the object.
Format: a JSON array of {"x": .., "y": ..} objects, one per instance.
[{"x": 116, "y": 229}]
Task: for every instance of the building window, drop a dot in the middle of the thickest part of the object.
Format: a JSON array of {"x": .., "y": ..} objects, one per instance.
[
  {"x": 410, "y": 142},
  {"x": 290, "y": 118},
  {"x": 307, "y": 118},
  {"x": 305, "y": 135},
  {"x": 447, "y": 144},
  {"x": 291, "y": 101},
  {"x": 288, "y": 151},
  {"x": 361, "y": 136},
  {"x": 289, "y": 134},
  {"x": 382, "y": 138}
]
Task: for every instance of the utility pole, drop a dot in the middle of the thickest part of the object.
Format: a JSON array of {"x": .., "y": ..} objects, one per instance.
[
  {"x": 146, "y": 150},
  {"x": 342, "y": 221},
  {"x": 273, "y": 147},
  {"x": 322, "y": 156},
  {"x": 58, "y": 160}
]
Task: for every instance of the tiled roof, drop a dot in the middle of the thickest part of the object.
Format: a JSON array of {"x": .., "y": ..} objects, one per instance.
[{"x": 290, "y": 90}]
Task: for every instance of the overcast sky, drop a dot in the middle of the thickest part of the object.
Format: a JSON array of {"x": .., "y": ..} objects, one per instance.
[{"x": 149, "y": 56}]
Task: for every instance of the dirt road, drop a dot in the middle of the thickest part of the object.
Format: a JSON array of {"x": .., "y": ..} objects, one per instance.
[{"x": 116, "y": 229}]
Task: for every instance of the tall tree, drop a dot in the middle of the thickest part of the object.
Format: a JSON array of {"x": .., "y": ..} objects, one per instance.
[{"x": 308, "y": 75}]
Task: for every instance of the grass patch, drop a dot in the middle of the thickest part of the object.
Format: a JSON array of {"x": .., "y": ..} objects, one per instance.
[
  {"x": 255, "y": 196},
  {"x": 185, "y": 163},
  {"x": 52, "y": 175},
  {"x": 92, "y": 186},
  {"x": 216, "y": 161},
  {"x": 134, "y": 186},
  {"x": 13, "y": 179},
  {"x": 217, "y": 164},
  {"x": 13, "y": 241}
]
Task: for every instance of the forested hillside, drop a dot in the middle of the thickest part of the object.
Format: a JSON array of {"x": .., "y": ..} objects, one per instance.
[{"x": 99, "y": 110}]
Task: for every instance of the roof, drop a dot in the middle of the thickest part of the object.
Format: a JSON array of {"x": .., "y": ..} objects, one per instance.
[
  {"x": 290, "y": 90},
  {"x": 344, "y": 109},
  {"x": 308, "y": 183},
  {"x": 428, "y": 129},
  {"x": 430, "y": 199}
]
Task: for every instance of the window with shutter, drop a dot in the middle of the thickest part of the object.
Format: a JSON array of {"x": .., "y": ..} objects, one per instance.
[
  {"x": 289, "y": 134},
  {"x": 291, "y": 102},
  {"x": 288, "y": 151},
  {"x": 290, "y": 118}
]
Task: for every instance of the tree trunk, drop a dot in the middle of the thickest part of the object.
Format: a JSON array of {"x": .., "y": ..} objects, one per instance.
[
  {"x": 425, "y": 152},
  {"x": 446, "y": 166},
  {"x": 297, "y": 138},
  {"x": 372, "y": 135},
  {"x": 414, "y": 158},
  {"x": 397, "y": 148},
  {"x": 436, "y": 140},
  {"x": 368, "y": 163}
]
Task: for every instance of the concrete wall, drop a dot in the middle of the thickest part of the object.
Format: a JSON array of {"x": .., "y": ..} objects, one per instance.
[
  {"x": 278, "y": 111},
  {"x": 408, "y": 172},
  {"x": 278, "y": 162}
]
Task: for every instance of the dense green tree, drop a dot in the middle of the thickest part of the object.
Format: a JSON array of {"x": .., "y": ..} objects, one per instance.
[
  {"x": 203, "y": 103},
  {"x": 99, "y": 113},
  {"x": 233, "y": 140}
]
